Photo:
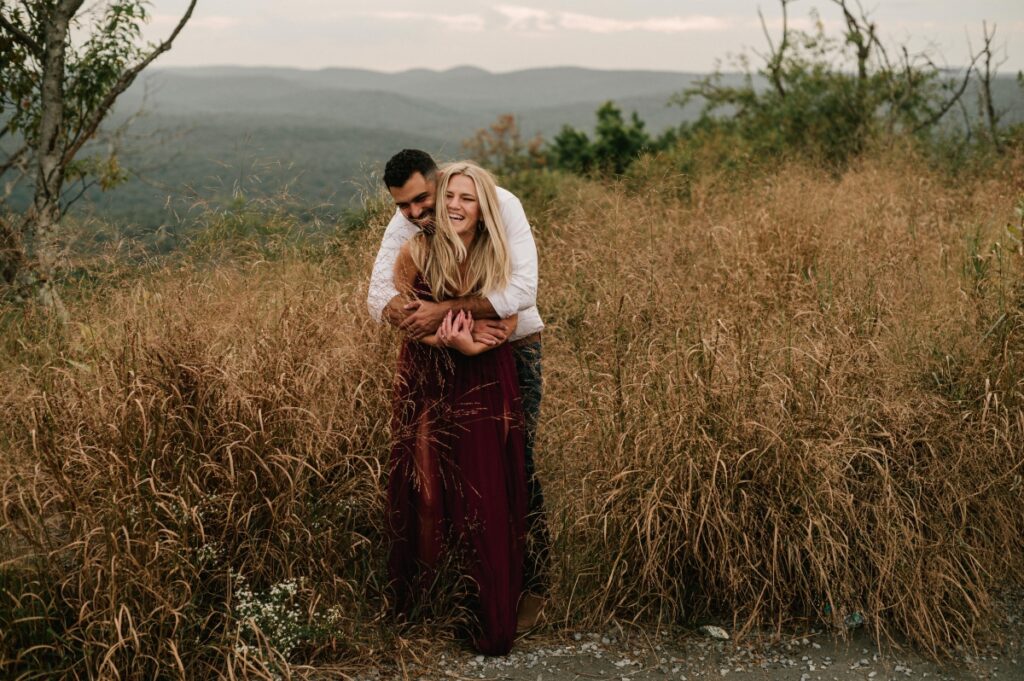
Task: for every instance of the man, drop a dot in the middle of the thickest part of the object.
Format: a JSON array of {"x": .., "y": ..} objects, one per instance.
[{"x": 410, "y": 176}]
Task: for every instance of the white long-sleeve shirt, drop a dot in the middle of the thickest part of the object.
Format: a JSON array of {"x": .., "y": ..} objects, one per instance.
[{"x": 519, "y": 297}]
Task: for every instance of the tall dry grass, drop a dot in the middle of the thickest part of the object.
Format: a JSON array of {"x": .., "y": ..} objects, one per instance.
[
  {"x": 800, "y": 399},
  {"x": 796, "y": 399}
]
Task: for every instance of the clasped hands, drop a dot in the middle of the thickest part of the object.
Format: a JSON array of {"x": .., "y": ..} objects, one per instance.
[
  {"x": 424, "y": 318},
  {"x": 456, "y": 331}
]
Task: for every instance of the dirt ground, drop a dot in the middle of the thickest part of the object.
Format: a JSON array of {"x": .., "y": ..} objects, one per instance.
[{"x": 631, "y": 654}]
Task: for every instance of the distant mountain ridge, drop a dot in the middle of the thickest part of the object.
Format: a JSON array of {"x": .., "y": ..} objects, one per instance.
[
  {"x": 553, "y": 85},
  {"x": 323, "y": 134},
  {"x": 442, "y": 102},
  {"x": 450, "y": 104}
]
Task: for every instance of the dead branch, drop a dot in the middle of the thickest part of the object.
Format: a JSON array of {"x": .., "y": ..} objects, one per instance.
[
  {"x": 775, "y": 58},
  {"x": 985, "y": 83},
  {"x": 951, "y": 102},
  {"x": 862, "y": 34}
]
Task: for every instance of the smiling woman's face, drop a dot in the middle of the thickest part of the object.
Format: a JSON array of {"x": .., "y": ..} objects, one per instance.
[{"x": 462, "y": 203}]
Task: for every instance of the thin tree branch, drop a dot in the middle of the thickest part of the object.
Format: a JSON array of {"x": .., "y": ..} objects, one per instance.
[
  {"x": 774, "y": 63},
  {"x": 86, "y": 186},
  {"x": 944, "y": 109},
  {"x": 900, "y": 94},
  {"x": 880, "y": 48},
  {"x": 764, "y": 27},
  {"x": 14, "y": 159},
  {"x": 22, "y": 38},
  {"x": 122, "y": 84},
  {"x": 30, "y": 10},
  {"x": 967, "y": 122}
]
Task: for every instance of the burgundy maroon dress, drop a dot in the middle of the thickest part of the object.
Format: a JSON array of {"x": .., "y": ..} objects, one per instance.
[{"x": 457, "y": 483}]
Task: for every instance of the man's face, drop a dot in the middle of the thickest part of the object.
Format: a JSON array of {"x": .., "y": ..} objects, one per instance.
[{"x": 415, "y": 199}]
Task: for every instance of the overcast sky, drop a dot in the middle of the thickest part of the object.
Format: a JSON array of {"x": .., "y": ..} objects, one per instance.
[{"x": 687, "y": 35}]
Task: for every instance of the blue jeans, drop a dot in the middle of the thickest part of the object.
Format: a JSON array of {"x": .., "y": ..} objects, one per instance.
[{"x": 538, "y": 538}]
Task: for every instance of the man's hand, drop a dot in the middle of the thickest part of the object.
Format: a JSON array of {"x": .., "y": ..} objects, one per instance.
[
  {"x": 423, "y": 318},
  {"x": 489, "y": 331}
]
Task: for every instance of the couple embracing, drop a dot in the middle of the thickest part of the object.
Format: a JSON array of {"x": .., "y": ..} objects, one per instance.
[{"x": 457, "y": 272}]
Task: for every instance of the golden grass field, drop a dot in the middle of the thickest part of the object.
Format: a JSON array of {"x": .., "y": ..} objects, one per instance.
[{"x": 787, "y": 398}]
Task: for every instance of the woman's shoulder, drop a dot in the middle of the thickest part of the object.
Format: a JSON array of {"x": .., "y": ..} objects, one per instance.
[
  {"x": 410, "y": 272},
  {"x": 405, "y": 251},
  {"x": 405, "y": 260}
]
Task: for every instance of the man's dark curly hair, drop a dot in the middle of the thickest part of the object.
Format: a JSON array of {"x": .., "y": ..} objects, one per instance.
[{"x": 405, "y": 164}]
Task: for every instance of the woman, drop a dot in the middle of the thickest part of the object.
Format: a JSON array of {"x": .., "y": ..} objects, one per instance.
[{"x": 457, "y": 486}]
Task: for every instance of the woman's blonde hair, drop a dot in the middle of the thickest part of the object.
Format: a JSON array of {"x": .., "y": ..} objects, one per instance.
[{"x": 438, "y": 254}]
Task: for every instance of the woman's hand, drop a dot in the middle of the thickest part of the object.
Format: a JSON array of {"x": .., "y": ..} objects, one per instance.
[
  {"x": 444, "y": 329},
  {"x": 456, "y": 332}
]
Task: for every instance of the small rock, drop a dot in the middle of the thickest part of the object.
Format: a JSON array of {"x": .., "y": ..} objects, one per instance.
[{"x": 714, "y": 632}]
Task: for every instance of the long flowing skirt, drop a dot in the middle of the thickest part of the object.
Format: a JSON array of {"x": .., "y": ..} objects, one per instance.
[{"x": 457, "y": 483}]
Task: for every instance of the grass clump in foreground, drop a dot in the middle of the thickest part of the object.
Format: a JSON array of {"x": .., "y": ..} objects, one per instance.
[{"x": 798, "y": 399}]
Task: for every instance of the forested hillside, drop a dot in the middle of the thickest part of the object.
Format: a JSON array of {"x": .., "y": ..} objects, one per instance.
[{"x": 210, "y": 133}]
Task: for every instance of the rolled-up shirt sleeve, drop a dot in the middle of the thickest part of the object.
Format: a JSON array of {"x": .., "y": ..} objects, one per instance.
[
  {"x": 521, "y": 292},
  {"x": 382, "y": 280}
]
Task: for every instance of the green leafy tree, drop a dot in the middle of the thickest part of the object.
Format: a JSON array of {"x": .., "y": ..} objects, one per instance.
[
  {"x": 571, "y": 150},
  {"x": 616, "y": 144},
  {"x": 54, "y": 94}
]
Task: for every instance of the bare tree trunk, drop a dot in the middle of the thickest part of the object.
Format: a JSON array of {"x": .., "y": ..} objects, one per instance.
[
  {"x": 43, "y": 220},
  {"x": 985, "y": 81}
]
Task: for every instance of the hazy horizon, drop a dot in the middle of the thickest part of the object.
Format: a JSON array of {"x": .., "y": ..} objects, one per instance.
[
  {"x": 1003, "y": 72},
  {"x": 691, "y": 36}
]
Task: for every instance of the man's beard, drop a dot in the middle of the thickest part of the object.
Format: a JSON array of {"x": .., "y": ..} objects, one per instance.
[{"x": 425, "y": 222}]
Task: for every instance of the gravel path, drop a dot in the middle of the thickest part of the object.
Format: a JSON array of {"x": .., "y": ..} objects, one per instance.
[{"x": 636, "y": 655}]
